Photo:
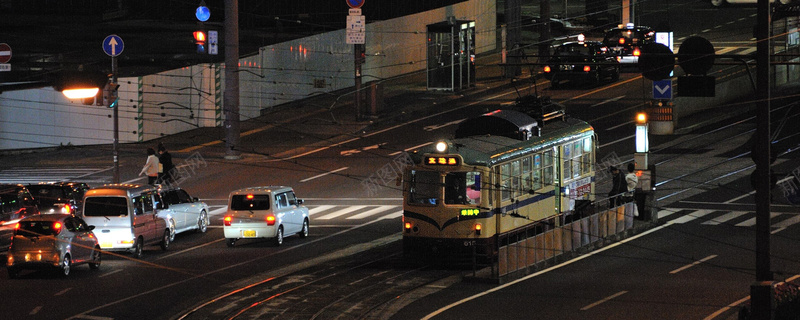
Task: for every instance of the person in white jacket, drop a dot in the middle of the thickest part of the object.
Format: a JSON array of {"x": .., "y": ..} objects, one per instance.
[
  {"x": 631, "y": 180},
  {"x": 150, "y": 167}
]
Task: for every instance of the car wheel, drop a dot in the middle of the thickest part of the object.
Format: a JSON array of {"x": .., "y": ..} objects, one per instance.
[
  {"x": 230, "y": 242},
  {"x": 96, "y": 259},
  {"x": 13, "y": 273},
  {"x": 65, "y": 266},
  {"x": 718, "y": 3},
  {"x": 171, "y": 230},
  {"x": 278, "y": 237},
  {"x": 165, "y": 242},
  {"x": 304, "y": 230},
  {"x": 202, "y": 223},
  {"x": 138, "y": 248}
]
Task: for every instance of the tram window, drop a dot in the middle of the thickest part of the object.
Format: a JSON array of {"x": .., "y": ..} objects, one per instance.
[
  {"x": 587, "y": 155},
  {"x": 567, "y": 167},
  {"x": 537, "y": 171},
  {"x": 527, "y": 177},
  {"x": 455, "y": 188},
  {"x": 547, "y": 169},
  {"x": 515, "y": 192},
  {"x": 424, "y": 187},
  {"x": 577, "y": 154},
  {"x": 473, "y": 187},
  {"x": 505, "y": 177}
]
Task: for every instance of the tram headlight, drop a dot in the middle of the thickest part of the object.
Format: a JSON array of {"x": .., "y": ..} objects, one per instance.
[
  {"x": 441, "y": 147},
  {"x": 407, "y": 226},
  {"x": 477, "y": 227}
]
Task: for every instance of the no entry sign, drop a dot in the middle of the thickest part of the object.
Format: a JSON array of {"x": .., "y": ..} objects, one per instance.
[{"x": 5, "y": 53}]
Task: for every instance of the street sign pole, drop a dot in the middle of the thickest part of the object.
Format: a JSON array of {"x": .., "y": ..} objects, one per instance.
[{"x": 115, "y": 148}]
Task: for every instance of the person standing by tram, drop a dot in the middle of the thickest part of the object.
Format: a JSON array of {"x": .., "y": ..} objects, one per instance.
[
  {"x": 631, "y": 180},
  {"x": 617, "y": 187}
]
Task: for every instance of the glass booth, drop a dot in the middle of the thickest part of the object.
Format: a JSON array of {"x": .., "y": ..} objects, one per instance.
[{"x": 451, "y": 55}]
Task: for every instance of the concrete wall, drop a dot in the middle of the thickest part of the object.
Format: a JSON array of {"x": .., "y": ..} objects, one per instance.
[{"x": 191, "y": 97}]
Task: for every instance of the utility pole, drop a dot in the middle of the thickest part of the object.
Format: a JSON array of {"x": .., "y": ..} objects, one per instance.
[
  {"x": 761, "y": 293},
  {"x": 544, "y": 30},
  {"x": 513, "y": 37},
  {"x": 231, "y": 94}
]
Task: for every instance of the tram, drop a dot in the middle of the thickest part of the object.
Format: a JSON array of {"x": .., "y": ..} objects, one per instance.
[{"x": 503, "y": 172}]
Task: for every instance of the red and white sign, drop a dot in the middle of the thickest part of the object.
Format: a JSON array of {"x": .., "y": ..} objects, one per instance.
[{"x": 5, "y": 53}]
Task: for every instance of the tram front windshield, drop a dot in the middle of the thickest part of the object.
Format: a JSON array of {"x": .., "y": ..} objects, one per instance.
[{"x": 459, "y": 188}]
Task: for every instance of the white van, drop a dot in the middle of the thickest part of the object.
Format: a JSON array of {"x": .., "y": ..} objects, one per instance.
[{"x": 126, "y": 217}]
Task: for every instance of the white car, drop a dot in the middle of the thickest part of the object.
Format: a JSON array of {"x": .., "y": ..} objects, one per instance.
[
  {"x": 264, "y": 212},
  {"x": 185, "y": 212}
]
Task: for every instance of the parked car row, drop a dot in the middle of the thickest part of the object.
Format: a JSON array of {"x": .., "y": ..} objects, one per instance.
[{"x": 126, "y": 217}]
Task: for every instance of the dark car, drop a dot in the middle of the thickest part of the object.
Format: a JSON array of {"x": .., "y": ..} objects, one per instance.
[
  {"x": 59, "y": 197},
  {"x": 581, "y": 62},
  {"x": 626, "y": 41},
  {"x": 16, "y": 202}
]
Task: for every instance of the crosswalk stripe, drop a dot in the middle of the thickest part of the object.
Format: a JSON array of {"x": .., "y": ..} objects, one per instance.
[
  {"x": 726, "y": 50},
  {"x": 725, "y": 218},
  {"x": 371, "y": 212},
  {"x": 393, "y": 215},
  {"x": 788, "y": 222},
  {"x": 748, "y": 51},
  {"x": 217, "y": 211},
  {"x": 691, "y": 216},
  {"x": 752, "y": 221},
  {"x": 319, "y": 209},
  {"x": 666, "y": 212},
  {"x": 341, "y": 212}
]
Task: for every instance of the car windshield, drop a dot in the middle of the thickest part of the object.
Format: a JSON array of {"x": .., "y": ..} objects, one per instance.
[
  {"x": 250, "y": 202},
  {"x": 575, "y": 50},
  {"x": 626, "y": 37},
  {"x": 48, "y": 195},
  {"x": 37, "y": 228},
  {"x": 105, "y": 206}
]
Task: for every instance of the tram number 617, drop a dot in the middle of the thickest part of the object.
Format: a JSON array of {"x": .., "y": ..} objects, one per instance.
[{"x": 470, "y": 243}]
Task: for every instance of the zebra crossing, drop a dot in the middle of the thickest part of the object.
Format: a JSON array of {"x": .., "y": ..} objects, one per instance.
[
  {"x": 346, "y": 212},
  {"x": 780, "y": 218},
  {"x": 27, "y": 175}
]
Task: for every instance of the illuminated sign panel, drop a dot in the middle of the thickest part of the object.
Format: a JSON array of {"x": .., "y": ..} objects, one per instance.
[
  {"x": 442, "y": 160},
  {"x": 470, "y": 212}
]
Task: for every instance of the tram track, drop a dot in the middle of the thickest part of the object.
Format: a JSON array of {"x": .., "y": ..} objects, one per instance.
[{"x": 357, "y": 287}]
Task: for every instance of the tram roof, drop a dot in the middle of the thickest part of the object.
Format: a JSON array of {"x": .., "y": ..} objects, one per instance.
[{"x": 493, "y": 149}]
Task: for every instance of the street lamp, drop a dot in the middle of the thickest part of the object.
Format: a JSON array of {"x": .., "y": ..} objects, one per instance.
[{"x": 642, "y": 141}]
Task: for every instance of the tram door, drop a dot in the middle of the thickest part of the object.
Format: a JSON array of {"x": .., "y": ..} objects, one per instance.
[{"x": 451, "y": 55}]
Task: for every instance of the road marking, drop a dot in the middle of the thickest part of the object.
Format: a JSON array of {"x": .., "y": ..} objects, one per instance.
[
  {"x": 503, "y": 286},
  {"x": 392, "y": 215},
  {"x": 324, "y": 174},
  {"x": 615, "y": 141},
  {"x": 604, "y": 300},
  {"x": 619, "y": 125},
  {"x": 607, "y": 101},
  {"x": 691, "y": 216},
  {"x": 341, "y": 212},
  {"x": 62, "y": 292},
  {"x": 189, "y": 249},
  {"x": 437, "y": 126},
  {"x": 725, "y": 218},
  {"x": 412, "y": 148},
  {"x": 35, "y": 310},
  {"x": 319, "y": 209},
  {"x": 371, "y": 212},
  {"x": 110, "y": 273},
  {"x": 666, "y": 212},
  {"x": 693, "y": 264},
  {"x": 218, "y": 211},
  {"x": 752, "y": 221}
]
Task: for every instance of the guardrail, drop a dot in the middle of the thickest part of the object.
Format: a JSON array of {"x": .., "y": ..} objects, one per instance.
[{"x": 541, "y": 243}]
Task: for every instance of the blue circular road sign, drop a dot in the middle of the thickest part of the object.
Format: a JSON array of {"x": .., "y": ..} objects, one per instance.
[
  {"x": 112, "y": 45},
  {"x": 202, "y": 13},
  {"x": 355, "y": 4}
]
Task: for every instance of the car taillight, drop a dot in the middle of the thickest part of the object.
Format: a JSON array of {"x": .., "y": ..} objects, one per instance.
[
  {"x": 57, "y": 227},
  {"x": 67, "y": 209},
  {"x": 227, "y": 220},
  {"x": 621, "y": 40},
  {"x": 16, "y": 226},
  {"x": 636, "y": 52},
  {"x": 270, "y": 220},
  {"x": 546, "y": 69},
  {"x": 587, "y": 68}
]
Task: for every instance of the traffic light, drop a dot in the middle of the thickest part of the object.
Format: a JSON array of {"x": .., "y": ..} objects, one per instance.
[
  {"x": 200, "y": 40},
  {"x": 110, "y": 96}
]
